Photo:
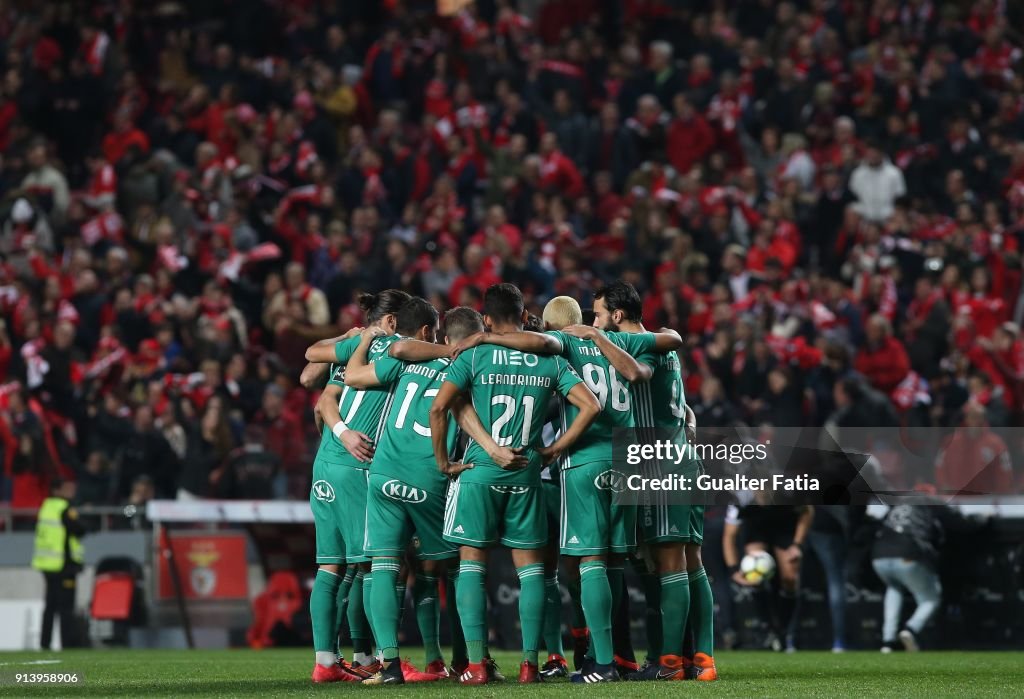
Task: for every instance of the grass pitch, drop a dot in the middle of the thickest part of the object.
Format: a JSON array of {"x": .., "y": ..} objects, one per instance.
[{"x": 231, "y": 673}]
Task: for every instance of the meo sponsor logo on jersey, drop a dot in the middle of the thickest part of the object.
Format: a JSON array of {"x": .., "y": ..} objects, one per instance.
[
  {"x": 323, "y": 491},
  {"x": 511, "y": 489},
  {"x": 611, "y": 479},
  {"x": 397, "y": 490},
  {"x": 513, "y": 358}
]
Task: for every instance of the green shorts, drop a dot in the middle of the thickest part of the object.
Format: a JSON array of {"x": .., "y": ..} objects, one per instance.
[
  {"x": 666, "y": 523},
  {"x": 591, "y": 522},
  {"x": 483, "y": 515},
  {"x": 398, "y": 513},
  {"x": 338, "y": 501}
]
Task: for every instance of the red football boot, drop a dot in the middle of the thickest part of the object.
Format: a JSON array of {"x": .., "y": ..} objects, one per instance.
[
  {"x": 412, "y": 674},
  {"x": 476, "y": 673},
  {"x": 332, "y": 673},
  {"x": 528, "y": 672},
  {"x": 438, "y": 668}
]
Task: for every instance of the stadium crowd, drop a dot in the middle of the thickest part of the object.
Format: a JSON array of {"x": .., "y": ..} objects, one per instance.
[{"x": 826, "y": 199}]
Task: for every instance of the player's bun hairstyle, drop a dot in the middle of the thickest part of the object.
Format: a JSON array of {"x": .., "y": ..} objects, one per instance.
[
  {"x": 413, "y": 315},
  {"x": 503, "y": 303},
  {"x": 387, "y": 302},
  {"x": 461, "y": 322},
  {"x": 561, "y": 312},
  {"x": 533, "y": 323},
  {"x": 622, "y": 296}
]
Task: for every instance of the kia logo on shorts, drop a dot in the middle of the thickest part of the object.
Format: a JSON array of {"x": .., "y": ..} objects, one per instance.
[
  {"x": 323, "y": 491},
  {"x": 397, "y": 490},
  {"x": 510, "y": 489},
  {"x": 612, "y": 480}
]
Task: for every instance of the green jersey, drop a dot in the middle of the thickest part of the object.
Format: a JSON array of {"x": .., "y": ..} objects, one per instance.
[
  {"x": 363, "y": 411},
  {"x": 660, "y": 403},
  {"x": 510, "y": 391},
  {"x": 330, "y": 448},
  {"x": 404, "y": 450},
  {"x": 613, "y": 393}
]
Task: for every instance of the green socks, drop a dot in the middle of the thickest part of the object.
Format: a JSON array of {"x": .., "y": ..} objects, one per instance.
[
  {"x": 531, "y": 607},
  {"x": 553, "y": 616},
  {"x": 368, "y": 604},
  {"x": 454, "y": 622},
  {"x": 596, "y": 596},
  {"x": 358, "y": 626},
  {"x": 323, "y": 606},
  {"x": 343, "y": 591},
  {"x": 384, "y": 604},
  {"x": 675, "y": 605},
  {"x": 472, "y": 602},
  {"x": 428, "y": 616},
  {"x": 702, "y": 611}
]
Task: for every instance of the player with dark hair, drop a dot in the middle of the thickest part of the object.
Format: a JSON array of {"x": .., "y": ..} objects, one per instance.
[
  {"x": 674, "y": 531},
  {"x": 338, "y": 493},
  {"x": 490, "y": 505}
]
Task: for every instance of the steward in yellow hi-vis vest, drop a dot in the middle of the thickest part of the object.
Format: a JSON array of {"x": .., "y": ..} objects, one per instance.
[{"x": 59, "y": 556}]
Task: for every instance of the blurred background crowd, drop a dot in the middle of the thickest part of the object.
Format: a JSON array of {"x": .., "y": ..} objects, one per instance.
[{"x": 825, "y": 198}]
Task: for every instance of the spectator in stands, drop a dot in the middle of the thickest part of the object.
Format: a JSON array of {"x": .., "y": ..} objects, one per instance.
[
  {"x": 208, "y": 447},
  {"x": 142, "y": 491},
  {"x": 46, "y": 185},
  {"x": 974, "y": 459},
  {"x": 882, "y": 360},
  {"x": 145, "y": 452},
  {"x": 877, "y": 184},
  {"x": 251, "y": 472},
  {"x": 95, "y": 480}
]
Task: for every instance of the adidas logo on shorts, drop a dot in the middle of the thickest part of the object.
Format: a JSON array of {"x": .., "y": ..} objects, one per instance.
[
  {"x": 574, "y": 540},
  {"x": 459, "y": 530},
  {"x": 674, "y": 529}
]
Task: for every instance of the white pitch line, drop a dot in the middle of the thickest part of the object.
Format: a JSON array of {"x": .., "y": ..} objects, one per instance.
[{"x": 34, "y": 662}]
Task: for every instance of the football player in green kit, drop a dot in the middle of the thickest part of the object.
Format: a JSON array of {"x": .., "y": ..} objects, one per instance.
[
  {"x": 674, "y": 531},
  {"x": 489, "y": 505},
  {"x": 338, "y": 494}
]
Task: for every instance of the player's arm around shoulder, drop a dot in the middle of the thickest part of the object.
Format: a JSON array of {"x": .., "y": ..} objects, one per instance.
[
  {"x": 667, "y": 340},
  {"x": 360, "y": 373},
  {"x": 620, "y": 357},
  {"x": 312, "y": 375},
  {"x": 409, "y": 350},
  {"x": 326, "y": 351},
  {"x": 523, "y": 340}
]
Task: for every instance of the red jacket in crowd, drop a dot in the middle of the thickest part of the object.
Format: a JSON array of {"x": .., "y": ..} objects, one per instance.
[{"x": 885, "y": 365}]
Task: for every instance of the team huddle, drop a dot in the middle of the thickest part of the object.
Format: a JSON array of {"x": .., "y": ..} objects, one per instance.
[{"x": 433, "y": 452}]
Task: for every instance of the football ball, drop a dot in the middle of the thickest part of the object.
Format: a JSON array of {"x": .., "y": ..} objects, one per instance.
[{"x": 757, "y": 567}]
